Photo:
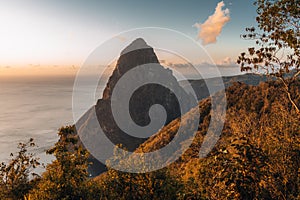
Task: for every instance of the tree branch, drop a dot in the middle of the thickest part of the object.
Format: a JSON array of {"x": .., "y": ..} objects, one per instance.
[
  {"x": 297, "y": 74},
  {"x": 289, "y": 95}
]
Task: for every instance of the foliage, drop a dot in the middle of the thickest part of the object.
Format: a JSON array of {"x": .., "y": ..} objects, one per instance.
[
  {"x": 278, "y": 45},
  {"x": 14, "y": 176},
  {"x": 258, "y": 154},
  {"x": 256, "y": 157},
  {"x": 124, "y": 185},
  {"x": 66, "y": 177}
]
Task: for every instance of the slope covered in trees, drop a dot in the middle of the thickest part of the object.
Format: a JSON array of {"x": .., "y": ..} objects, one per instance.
[{"x": 257, "y": 156}]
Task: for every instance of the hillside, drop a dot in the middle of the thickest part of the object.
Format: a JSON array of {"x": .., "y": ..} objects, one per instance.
[
  {"x": 135, "y": 54},
  {"x": 256, "y": 157}
]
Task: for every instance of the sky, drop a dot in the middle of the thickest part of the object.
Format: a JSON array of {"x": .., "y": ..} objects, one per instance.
[{"x": 58, "y": 36}]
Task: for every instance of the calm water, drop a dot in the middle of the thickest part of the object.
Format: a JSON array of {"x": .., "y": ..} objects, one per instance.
[{"x": 33, "y": 107}]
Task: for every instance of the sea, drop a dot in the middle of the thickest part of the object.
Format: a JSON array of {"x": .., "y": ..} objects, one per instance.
[{"x": 34, "y": 107}]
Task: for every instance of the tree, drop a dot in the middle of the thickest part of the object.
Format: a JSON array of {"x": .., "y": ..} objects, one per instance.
[
  {"x": 67, "y": 176},
  {"x": 14, "y": 176},
  {"x": 278, "y": 46},
  {"x": 124, "y": 185}
]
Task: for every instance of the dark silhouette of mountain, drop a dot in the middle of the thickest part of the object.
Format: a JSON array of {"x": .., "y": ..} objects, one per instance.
[{"x": 138, "y": 53}]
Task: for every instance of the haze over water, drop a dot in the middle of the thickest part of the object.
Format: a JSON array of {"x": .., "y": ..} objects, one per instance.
[{"x": 33, "y": 108}]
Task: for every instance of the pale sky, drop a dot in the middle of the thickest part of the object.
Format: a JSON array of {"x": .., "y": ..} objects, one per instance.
[{"x": 59, "y": 35}]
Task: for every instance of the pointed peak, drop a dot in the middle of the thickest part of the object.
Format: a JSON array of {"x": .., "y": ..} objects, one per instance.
[
  {"x": 139, "y": 41},
  {"x": 137, "y": 44}
]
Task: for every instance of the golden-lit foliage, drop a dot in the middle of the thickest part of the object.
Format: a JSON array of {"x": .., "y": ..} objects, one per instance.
[
  {"x": 278, "y": 21},
  {"x": 66, "y": 177},
  {"x": 277, "y": 50},
  {"x": 256, "y": 157},
  {"x": 14, "y": 176}
]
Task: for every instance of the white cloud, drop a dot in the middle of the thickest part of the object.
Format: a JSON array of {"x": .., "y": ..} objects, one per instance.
[
  {"x": 212, "y": 27},
  {"x": 227, "y": 62}
]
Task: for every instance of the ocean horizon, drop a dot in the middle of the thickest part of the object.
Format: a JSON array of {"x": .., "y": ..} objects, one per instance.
[{"x": 34, "y": 107}]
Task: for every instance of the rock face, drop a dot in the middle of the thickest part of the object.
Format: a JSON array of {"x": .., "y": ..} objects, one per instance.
[{"x": 136, "y": 54}]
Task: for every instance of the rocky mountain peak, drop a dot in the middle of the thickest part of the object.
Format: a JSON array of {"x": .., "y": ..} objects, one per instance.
[
  {"x": 138, "y": 43},
  {"x": 135, "y": 54}
]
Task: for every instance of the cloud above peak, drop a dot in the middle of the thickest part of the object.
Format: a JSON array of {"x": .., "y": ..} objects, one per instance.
[{"x": 212, "y": 27}]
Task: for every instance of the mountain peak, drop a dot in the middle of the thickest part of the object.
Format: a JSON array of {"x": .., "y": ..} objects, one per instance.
[
  {"x": 137, "y": 44},
  {"x": 136, "y": 53}
]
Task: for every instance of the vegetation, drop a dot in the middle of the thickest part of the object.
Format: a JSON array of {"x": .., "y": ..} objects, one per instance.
[
  {"x": 257, "y": 157},
  {"x": 277, "y": 50},
  {"x": 66, "y": 177},
  {"x": 14, "y": 175},
  {"x": 148, "y": 186}
]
